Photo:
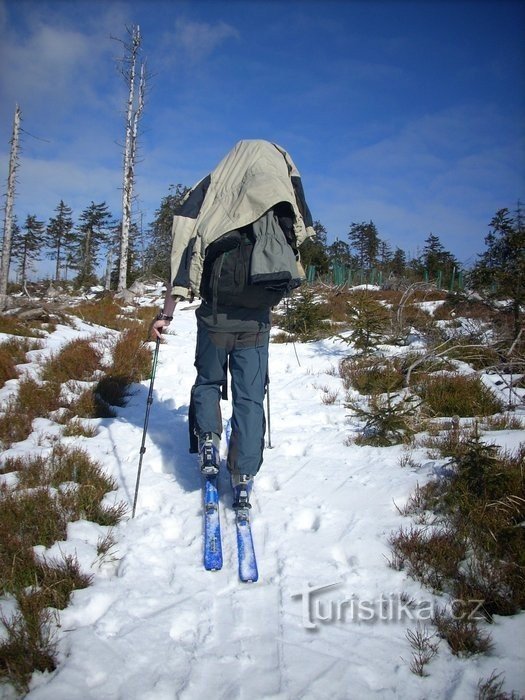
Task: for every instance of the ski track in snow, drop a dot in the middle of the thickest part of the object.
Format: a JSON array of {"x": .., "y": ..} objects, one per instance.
[{"x": 156, "y": 626}]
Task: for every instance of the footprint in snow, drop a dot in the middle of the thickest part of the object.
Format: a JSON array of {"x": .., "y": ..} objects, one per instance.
[
  {"x": 268, "y": 483},
  {"x": 308, "y": 520}
]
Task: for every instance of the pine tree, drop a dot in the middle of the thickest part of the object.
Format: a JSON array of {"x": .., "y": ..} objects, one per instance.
[
  {"x": 398, "y": 263},
  {"x": 339, "y": 254},
  {"x": 364, "y": 240},
  {"x": 500, "y": 270},
  {"x": 369, "y": 321},
  {"x": 158, "y": 252},
  {"x": 385, "y": 255},
  {"x": 314, "y": 251},
  {"x": 435, "y": 260},
  {"x": 59, "y": 236},
  {"x": 27, "y": 244},
  {"x": 88, "y": 238}
]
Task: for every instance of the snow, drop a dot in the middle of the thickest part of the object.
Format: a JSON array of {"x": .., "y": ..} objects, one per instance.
[{"x": 327, "y": 618}]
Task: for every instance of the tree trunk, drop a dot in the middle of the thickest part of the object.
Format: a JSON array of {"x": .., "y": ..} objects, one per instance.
[
  {"x": 10, "y": 198},
  {"x": 133, "y": 114}
]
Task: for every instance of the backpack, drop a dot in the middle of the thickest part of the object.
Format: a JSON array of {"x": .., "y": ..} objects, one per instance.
[{"x": 226, "y": 274}]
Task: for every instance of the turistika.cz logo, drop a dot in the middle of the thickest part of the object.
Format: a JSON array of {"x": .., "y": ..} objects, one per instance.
[{"x": 320, "y": 608}]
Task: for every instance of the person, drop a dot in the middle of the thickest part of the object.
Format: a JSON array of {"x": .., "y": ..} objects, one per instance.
[{"x": 234, "y": 245}]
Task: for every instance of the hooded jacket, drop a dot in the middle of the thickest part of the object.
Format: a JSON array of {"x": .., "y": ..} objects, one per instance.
[{"x": 252, "y": 178}]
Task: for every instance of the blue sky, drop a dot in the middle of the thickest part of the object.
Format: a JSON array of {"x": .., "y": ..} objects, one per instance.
[{"x": 410, "y": 114}]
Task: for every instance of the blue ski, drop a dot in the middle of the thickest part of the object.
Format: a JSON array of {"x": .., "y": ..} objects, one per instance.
[
  {"x": 248, "y": 572},
  {"x": 212, "y": 526}
]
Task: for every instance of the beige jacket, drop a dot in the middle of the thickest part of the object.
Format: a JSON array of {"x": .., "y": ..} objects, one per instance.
[{"x": 254, "y": 176}]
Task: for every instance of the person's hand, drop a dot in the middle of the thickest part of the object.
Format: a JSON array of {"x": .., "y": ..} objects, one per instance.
[{"x": 157, "y": 327}]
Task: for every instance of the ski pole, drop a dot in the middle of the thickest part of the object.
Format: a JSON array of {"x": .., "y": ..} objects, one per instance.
[
  {"x": 268, "y": 411},
  {"x": 146, "y": 419}
]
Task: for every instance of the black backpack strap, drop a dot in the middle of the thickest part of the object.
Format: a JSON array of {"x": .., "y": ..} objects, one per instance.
[{"x": 215, "y": 278}]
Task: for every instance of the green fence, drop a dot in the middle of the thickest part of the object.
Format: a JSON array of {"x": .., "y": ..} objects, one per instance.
[{"x": 340, "y": 275}]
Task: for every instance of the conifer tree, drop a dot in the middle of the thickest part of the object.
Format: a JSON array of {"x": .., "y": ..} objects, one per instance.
[
  {"x": 500, "y": 270},
  {"x": 158, "y": 252},
  {"x": 364, "y": 241},
  {"x": 88, "y": 238},
  {"x": 314, "y": 251},
  {"x": 435, "y": 260},
  {"x": 398, "y": 263},
  {"x": 27, "y": 244},
  {"x": 339, "y": 254},
  {"x": 59, "y": 236},
  {"x": 385, "y": 255}
]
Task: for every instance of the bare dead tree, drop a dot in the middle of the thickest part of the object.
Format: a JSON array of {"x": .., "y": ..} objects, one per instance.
[
  {"x": 135, "y": 106},
  {"x": 10, "y": 199}
]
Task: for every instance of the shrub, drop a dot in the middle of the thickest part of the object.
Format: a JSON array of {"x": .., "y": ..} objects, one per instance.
[
  {"x": 304, "y": 317},
  {"x": 79, "y": 359},
  {"x": 431, "y": 557},
  {"x": 50, "y": 492},
  {"x": 131, "y": 356},
  {"x": 506, "y": 421},
  {"x": 28, "y": 647},
  {"x": 109, "y": 313},
  {"x": 424, "y": 648},
  {"x": 33, "y": 399},
  {"x": 369, "y": 321},
  {"x": 102, "y": 312},
  {"x": 12, "y": 353},
  {"x": 491, "y": 689},
  {"x": 12, "y": 326},
  {"x": 482, "y": 503},
  {"x": 370, "y": 376},
  {"x": 463, "y": 635},
  {"x": 479, "y": 357},
  {"x": 387, "y": 421},
  {"x": 458, "y": 394},
  {"x": 7, "y": 366},
  {"x": 91, "y": 405},
  {"x": 76, "y": 428}
]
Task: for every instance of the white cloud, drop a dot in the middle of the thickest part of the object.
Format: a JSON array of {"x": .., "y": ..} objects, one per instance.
[
  {"x": 196, "y": 41},
  {"x": 45, "y": 182}
]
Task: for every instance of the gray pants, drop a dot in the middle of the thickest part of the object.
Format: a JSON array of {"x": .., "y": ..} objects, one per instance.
[{"x": 246, "y": 354}]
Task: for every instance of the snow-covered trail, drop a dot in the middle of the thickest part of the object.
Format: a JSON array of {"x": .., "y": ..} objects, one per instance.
[{"x": 156, "y": 626}]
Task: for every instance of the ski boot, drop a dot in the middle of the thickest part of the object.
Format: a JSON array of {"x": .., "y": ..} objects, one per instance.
[
  {"x": 209, "y": 459},
  {"x": 242, "y": 486}
]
